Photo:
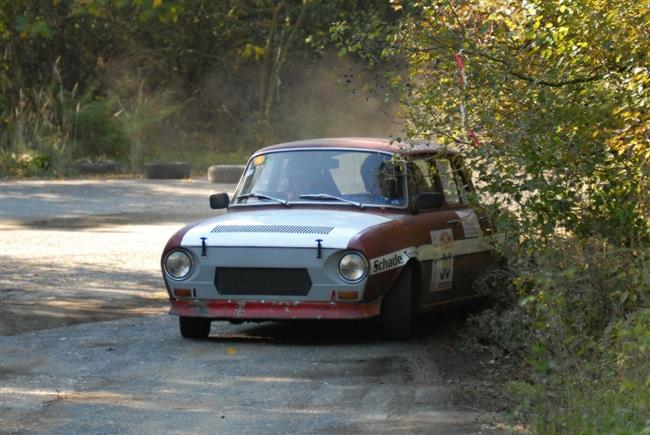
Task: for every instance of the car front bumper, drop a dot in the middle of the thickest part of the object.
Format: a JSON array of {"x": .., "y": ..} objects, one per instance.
[{"x": 274, "y": 310}]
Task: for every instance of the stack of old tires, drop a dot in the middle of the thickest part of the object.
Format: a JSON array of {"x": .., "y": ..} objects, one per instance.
[{"x": 225, "y": 174}]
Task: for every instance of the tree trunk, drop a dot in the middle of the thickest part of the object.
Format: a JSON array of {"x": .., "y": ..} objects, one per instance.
[{"x": 272, "y": 72}]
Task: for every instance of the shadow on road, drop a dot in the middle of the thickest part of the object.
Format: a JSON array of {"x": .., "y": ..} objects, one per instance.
[
  {"x": 36, "y": 294},
  {"x": 321, "y": 332},
  {"x": 109, "y": 220}
]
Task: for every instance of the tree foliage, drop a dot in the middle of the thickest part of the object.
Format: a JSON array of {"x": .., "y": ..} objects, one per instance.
[
  {"x": 556, "y": 98},
  {"x": 222, "y": 65},
  {"x": 550, "y": 99}
]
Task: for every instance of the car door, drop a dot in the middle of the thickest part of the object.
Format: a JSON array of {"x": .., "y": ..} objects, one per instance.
[
  {"x": 472, "y": 253},
  {"x": 438, "y": 234}
]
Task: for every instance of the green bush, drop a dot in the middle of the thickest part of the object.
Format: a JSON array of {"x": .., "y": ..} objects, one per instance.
[
  {"x": 506, "y": 323},
  {"x": 27, "y": 164},
  {"x": 50, "y": 126},
  {"x": 577, "y": 312},
  {"x": 588, "y": 331},
  {"x": 608, "y": 393},
  {"x": 97, "y": 131}
]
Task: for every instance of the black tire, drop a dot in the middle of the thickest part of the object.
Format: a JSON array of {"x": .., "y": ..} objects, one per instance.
[
  {"x": 397, "y": 309},
  {"x": 166, "y": 171},
  {"x": 194, "y": 327},
  {"x": 225, "y": 173},
  {"x": 100, "y": 166}
]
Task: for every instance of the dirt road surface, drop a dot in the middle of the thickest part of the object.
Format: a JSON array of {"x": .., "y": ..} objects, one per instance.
[{"x": 86, "y": 345}]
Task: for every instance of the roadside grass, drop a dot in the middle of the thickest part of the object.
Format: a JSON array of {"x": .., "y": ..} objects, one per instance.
[
  {"x": 578, "y": 319},
  {"x": 605, "y": 393},
  {"x": 590, "y": 406}
]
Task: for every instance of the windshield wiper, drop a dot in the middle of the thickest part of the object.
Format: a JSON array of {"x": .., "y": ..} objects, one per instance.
[
  {"x": 327, "y": 196},
  {"x": 262, "y": 196}
]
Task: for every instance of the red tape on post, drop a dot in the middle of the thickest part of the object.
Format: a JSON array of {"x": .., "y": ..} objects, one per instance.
[{"x": 462, "y": 79}]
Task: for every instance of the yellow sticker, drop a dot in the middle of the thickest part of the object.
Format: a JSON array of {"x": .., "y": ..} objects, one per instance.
[
  {"x": 259, "y": 160},
  {"x": 231, "y": 351}
]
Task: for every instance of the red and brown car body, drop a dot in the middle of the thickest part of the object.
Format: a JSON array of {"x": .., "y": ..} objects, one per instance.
[{"x": 266, "y": 260}]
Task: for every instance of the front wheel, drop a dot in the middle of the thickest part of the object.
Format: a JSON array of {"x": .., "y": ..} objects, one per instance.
[
  {"x": 194, "y": 327},
  {"x": 396, "y": 309}
]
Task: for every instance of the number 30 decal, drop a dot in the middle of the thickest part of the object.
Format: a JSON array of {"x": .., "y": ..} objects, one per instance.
[{"x": 442, "y": 266}]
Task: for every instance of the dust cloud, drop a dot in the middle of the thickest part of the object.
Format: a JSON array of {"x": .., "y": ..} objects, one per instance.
[{"x": 219, "y": 114}]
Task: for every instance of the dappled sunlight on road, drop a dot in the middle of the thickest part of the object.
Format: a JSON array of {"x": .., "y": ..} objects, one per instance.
[
  {"x": 26, "y": 201},
  {"x": 125, "y": 248},
  {"x": 295, "y": 377},
  {"x": 89, "y": 250}
]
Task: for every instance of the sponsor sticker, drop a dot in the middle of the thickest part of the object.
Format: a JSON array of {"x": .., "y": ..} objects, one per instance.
[
  {"x": 469, "y": 220},
  {"x": 391, "y": 261},
  {"x": 442, "y": 266}
]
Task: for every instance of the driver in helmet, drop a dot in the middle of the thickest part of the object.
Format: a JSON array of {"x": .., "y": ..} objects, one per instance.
[{"x": 381, "y": 179}]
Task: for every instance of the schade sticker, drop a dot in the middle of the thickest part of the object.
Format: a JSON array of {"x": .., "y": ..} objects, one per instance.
[
  {"x": 442, "y": 266},
  {"x": 391, "y": 261}
]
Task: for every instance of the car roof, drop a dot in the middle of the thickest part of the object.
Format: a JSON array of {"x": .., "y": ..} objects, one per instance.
[{"x": 364, "y": 143}]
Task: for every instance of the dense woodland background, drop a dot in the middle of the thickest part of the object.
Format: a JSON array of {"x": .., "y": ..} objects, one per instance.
[
  {"x": 204, "y": 81},
  {"x": 548, "y": 98}
]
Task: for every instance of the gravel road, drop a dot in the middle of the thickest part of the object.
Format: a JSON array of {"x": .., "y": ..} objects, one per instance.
[
  {"x": 86, "y": 346},
  {"x": 78, "y": 251}
]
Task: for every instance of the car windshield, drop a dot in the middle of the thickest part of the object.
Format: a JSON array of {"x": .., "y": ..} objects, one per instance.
[{"x": 334, "y": 177}]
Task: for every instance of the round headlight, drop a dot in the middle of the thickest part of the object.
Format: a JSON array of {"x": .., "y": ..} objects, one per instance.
[
  {"x": 353, "y": 267},
  {"x": 178, "y": 264}
]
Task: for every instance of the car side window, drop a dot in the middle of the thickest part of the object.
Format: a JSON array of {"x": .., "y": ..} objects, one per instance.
[
  {"x": 448, "y": 178},
  {"x": 422, "y": 176},
  {"x": 461, "y": 181}
]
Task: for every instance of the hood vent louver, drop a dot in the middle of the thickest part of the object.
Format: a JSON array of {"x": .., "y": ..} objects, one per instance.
[{"x": 283, "y": 229}]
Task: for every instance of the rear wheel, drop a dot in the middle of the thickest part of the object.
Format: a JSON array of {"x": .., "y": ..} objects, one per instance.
[
  {"x": 194, "y": 327},
  {"x": 397, "y": 309}
]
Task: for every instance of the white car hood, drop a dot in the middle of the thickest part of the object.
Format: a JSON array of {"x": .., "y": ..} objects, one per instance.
[{"x": 282, "y": 228}]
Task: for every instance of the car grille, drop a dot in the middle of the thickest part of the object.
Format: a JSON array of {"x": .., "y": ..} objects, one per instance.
[
  {"x": 260, "y": 281},
  {"x": 285, "y": 229}
]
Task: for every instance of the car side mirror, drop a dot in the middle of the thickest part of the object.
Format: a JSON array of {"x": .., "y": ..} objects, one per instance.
[
  {"x": 428, "y": 200},
  {"x": 219, "y": 200}
]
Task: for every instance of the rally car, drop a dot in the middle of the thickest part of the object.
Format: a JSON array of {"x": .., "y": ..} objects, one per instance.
[{"x": 346, "y": 228}]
